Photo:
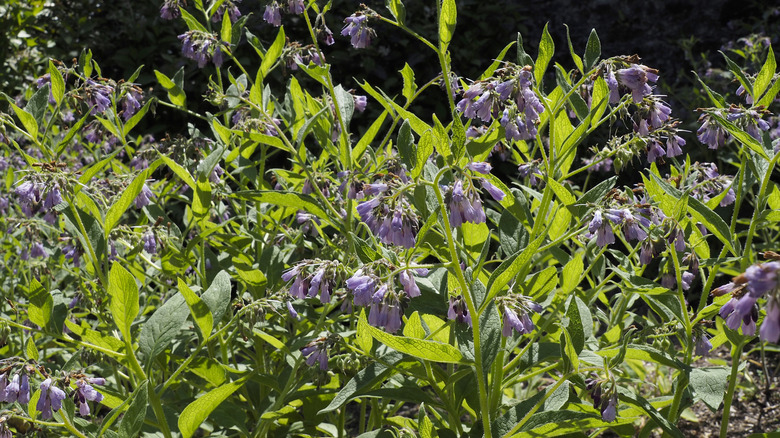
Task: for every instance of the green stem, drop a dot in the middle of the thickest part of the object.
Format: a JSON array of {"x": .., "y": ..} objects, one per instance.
[{"x": 736, "y": 354}]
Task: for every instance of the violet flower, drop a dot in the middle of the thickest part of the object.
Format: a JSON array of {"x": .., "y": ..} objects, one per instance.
[
  {"x": 272, "y": 14},
  {"x": 98, "y": 96},
  {"x": 144, "y": 197},
  {"x": 316, "y": 352},
  {"x": 358, "y": 31},
  {"x": 85, "y": 392},
  {"x": 170, "y": 10},
  {"x": 458, "y": 311},
  {"x": 464, "y": 206},
  {"x": 50, "y": 399}
]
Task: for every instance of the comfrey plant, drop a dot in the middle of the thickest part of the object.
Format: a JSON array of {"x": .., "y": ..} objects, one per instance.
[{"x": 311, "y": 256}]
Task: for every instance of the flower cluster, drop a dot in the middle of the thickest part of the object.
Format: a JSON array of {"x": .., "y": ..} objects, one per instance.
[
  {"x": 202, "y": 47},
  {"x": 131, "y": 102},
  {"x": 170, "y": 9},
  {"x": 379, "y": 294},
  {"x": 389, "y": 215},
  {"x": 605, "y": 400},
  {"x": 15, "y": 390},
  {"x": 30, "y": 194},
  {"x": 708, "y": 184},
  {"x": 316, "y": 351},
  {"x": 312, "y": 277},
  {"x": 98, "y": 96},
  {"x": 510, "y": 94},
  {"x": 50, "y": 400},
  {"x": 464, "y": 203},
  {"x": 515, "y": 311},
  {"x": 741, "y": 310},
  {"x": 358, "y": 31},
  {"x": 458, "y": 311},
  {"x": 230, "y": 6},
  {"x": 296, "y": 54}
]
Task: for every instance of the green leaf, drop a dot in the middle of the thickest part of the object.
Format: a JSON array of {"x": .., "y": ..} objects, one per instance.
[
  {"x": 284, "y": 199},
  {"x": 115, "y": 212},
  {"x": 133, "y": 420},
  {"x": 28, "y": 121},
  {"x": 741, "y": 136},
  {"x": 574, "y": 56},
  {"x": 217, "y": 296},
  {"x": 715, "y": 98},
  {"x": 523, "y": 58},
  {"x": 365, "y": 380},
  {"x": 397, "y": 8},
  {"x": 546, "y": 51},
  {"x": 418, "y": 126},
  {"x": 41, "y": 304},
  {"x": 272, "y": 54},
  {"x": 712, "y": 221},
  {"x": 654, "y": 414},
  {"x": 201, "y": 201},
  {"x": 368, "y": 137},
  {"x": 765, "y": 76},
  {"x": 175, "y": 92},
  {"x": 593, "y": 196},
  {"x": 409, "y": 86},
  {"x": 75, "y": 129},
  {"x": 709, "y": 385},
  {"x": 162, "y": 327},
  {"x": 180, "y": 171},
  {"x": 196, "y": 412},
  {"x": 226, "y": 33},
  {"x": 424, "y": 152},
  {"x": 422, "y": 349},
  {"x": 405, "y": 144},
  {"x": 572, "y": 274},
  {"x": 770, "y": 95},
  {"x": 130, "y": 124},
  {"x": 592, "y": 50},
  {"x": 740, "y": 75},
  {"x": 57, "y": 83},
  {"x": 30, "y": 350},
  {"x": 510, "y": 267},
  {"x": 200, "y": 311},
  {"x": 192, "y": 22},
  {"x": 447, "y": 21},
  {"x": 38, "y": 104},
  {"x": 124, "y": 298}
]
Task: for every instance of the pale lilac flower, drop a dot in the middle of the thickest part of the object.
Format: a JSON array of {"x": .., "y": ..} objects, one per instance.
[
  {"x": 72, "y": 253},
  {"x": 272, "y": 14},
  {"x": 480, "y": 166},
  {"x": 770, "y": 328},
  {"x": 464, "y": 206},
  {"x": 38, "y": 251},
  {"x": 635, "y": 78},
  {"x": 150, "y": 242},
  {"x": 53, "y": 199},
  {"x": 296, "y": 6},
  {"x": 385, "y": 310},
  {"x": 748, "y": 97},
  {"x": 130, "y": 103},
  {"x": 612, "y": 84},
  {"x": 50, "y": 399},
  {"x": 230, "y": 6},
  {"x": 609, "y": 409},
  {"x": 170, "y": 9},
  {"x": 363, "y": 287},
  {"x": 654, "y": 150},
  {"x": 659, "y": 113},
  {"x": 358, "y": 31},
  {"x": 98, "y": 96},
  {"x": 28, "y": 192},
  {"x": 360, "y": 103},
  {"x": 762, "y": 278},
  {"x": 702, "y": 345},
  {"x": 144, "y": 197},
  {"x": 710, "y": 133},
  {"x": 494, "y": 191},
  {"x": 458, "y": 311},
  {"x": 84, "y": 393},
  {"x": 316, "y": 352},
  {"x": 408, "y": 283},
  {"x": 292, "y": 311},
  {"x": 673, "y": 144}
]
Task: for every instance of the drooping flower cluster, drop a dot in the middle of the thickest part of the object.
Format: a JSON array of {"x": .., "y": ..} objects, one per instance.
[
  {"x": 458, "y": 311},
  {"x": 741, "y": 310},
  {"x": 358, "y": 31},
  {"x": 509, "y": 95},
  {"x": 50, "y": 399},
  {"x": 386, "y": 304},
  {"x": 98, "y": 96},
  {"x": 170, "y": 9},
  {"x": 295, "y": 53},
  {"x": 30, "y": 194},
  {"x": 389, "y": 215},
  {"x": 85, "y": 392},
  {"x": 605, "y": 400},
  {"x": 131, "y": 102},
  {"x": 316, "y": 351},
  {"x": 312, "y": 277},
  {"x": 230, "y": 7},
  {"x": 15, "y": 390},
  {"x": 515, "y": 309},
  {"x": 202, "y": 47},
  {"x": 711, "y": 184}
]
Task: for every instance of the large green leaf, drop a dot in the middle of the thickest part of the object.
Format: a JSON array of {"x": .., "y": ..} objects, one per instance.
[
  {"x": 422, "y": 349},
  {"x": 447, "y": 21},
  {"x": 124, "y": 298},
  {"x": 162, "y": 327},
  {"x": 115, "y": 212},
  {"x": 133, "y": 421},
  {"x": 196, "y": 412},
  {"x": 546, "y": 51},
  {"x": 200, "y": 311}
]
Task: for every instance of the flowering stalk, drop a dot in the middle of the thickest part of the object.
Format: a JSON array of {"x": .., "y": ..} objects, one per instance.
[{"x": 468, "y": 298}]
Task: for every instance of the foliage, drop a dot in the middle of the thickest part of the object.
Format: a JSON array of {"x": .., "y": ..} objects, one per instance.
[{"x": 276, "y": 271}]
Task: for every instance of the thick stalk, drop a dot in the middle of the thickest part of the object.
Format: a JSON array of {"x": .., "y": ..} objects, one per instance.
[{"x": 736, "y": 354}]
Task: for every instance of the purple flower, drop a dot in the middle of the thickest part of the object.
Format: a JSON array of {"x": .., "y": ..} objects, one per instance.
[
  {"x": 296, "y": 6},
  {"x": 358, "y": 31},
  {"x": 635, "y": 78},
  {"x": 170, "y": 9},
  {"x": 609, "y": 409},
  {"x": 131, "y": 103},
  {"x": 38, "y": 251},
  {"x": 360, "y": 103},
  {"x": 144, "y": 197},
  {"x": 710, "y": 133},
  {"x": 28, "y": 193},
  {"x": 673, "y": 144},
  {"x": 612, "y": 84},
  {"x": 494, "y": 191},
  {"x": 326, "y": 35},
  {"x": 762, "y": 278},
  {"x": 659, "y": 113},
  {"x": 385, "y": 310},
  {"x": 647, "y": 253},
  {"x": 770, "y": 328},
  {"x": 374, "y": 189},
  {"x": 272, "y": 14},
  {"x": 702, "y": 345},
  {"x": 687, "y": 278},
  {"x": 464, "y": 206},
  {"x": 316, "y": 352},
  {"x": 150, "y": 242},
  {"x": 748, "y": 97},
  {"x": 515, "y": 315},
  {"x": 480, "y": 166},
  {"x": 408, "y": 283},
  {"x": 530, "y": 170},
  {"x": 98, "y": 96},
  {"x": 654, "y": 150},
  {"x": 458, "y": 311},
  {"x": 50, "y": 399},
  {"x": 741, "y": 312},
  {"x": 233, "y": 12},
  {"x": 16, "y": 391},
  {"x": 631, "y": 227},
  {"x": 199, "y": 46},
  {"x": 53, "y": 199},
  {"x": 85, "y": 393},
  {"x": 603, "y": 229},
  {"x": 292, "y": 311}
]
